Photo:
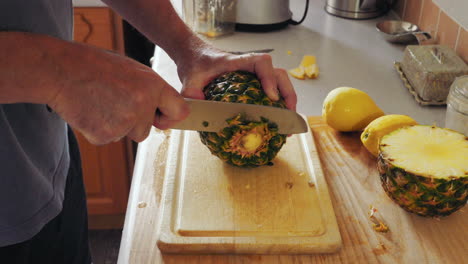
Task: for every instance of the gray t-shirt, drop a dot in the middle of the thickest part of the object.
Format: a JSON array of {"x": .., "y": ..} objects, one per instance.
[{"x": 34, "y": 158}]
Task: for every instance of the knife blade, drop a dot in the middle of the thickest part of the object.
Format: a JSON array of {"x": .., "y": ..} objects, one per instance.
[
  {"x": 211, "y": 116},
  {"x": 251, "y": 51}
]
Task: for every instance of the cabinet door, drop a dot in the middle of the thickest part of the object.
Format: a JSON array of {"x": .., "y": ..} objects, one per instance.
[
  {"x": 98, "y": 26},
  {"x": 106, "y": 169}
]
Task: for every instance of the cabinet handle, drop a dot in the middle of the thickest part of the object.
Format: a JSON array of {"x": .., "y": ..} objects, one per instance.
[{"x": 88, "y": 24}]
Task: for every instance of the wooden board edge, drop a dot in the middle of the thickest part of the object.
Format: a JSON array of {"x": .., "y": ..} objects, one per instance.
[
  {"x": 332, "y": 227},
  {"x": 145, "y": 153}
]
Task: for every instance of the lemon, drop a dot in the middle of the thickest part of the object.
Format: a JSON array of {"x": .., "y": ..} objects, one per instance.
[
  {"x": 380, "y": 127},
  {"x": 349, "y": 109}
]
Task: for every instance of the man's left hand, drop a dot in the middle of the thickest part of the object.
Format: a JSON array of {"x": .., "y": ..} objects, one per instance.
[{"x": 198, "y": 70}]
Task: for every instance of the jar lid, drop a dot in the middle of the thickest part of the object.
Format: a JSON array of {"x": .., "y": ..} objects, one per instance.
[
  {"x": 458, "y": 95},
  {"x": 460, "y": 86}
]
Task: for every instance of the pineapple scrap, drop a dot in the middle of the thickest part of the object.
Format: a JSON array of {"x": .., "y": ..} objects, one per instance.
[
  {"x": 380, "y": 250},
  {"x": 377, "y": 224},
  {"x": 308, "y": 60},
  {"x": 308, "y": 68},
  {"x": 298, "y": 73},
  {"x": 312, "y": 71}
]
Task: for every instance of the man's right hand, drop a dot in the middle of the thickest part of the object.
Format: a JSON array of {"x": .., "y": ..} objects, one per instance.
[{"x": 106, "y": 96}]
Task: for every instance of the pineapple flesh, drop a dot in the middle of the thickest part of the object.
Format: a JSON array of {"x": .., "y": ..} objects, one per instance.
[
  {"x": 424, "y": 169},
  {"x": 243, "y": 143}
]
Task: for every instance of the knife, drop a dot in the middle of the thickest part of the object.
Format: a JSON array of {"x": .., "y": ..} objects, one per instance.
[
  {"x": 251, "y": 51},
  {"x": 211, "y": 116}
]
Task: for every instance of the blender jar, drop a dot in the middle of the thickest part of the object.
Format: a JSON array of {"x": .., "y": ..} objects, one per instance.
[{"x": 212, "y": 18}]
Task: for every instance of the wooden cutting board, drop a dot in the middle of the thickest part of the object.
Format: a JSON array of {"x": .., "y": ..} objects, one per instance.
[
  {"x": 354, "y": 184},
  {"x": 212, "y": 207}
]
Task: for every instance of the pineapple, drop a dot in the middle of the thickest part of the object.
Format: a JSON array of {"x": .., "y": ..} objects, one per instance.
[
  {"x": 424, "y": 169},
  {"x": 243, "y": 143}
]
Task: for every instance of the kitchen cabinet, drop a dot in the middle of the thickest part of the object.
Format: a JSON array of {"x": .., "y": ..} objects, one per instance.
[
  {"x": 98, "y": 26},
  {"x": 106, "y": 169}
]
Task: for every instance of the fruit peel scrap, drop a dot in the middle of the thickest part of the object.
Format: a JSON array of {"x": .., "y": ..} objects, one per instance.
[
  {"x": 298, "y": 73},
  {"x": 308, "y": 68},
  {"x": 312, "y": 71},
  {"x": 308, "y": 60},
  {"x": 377, "y": 224}
]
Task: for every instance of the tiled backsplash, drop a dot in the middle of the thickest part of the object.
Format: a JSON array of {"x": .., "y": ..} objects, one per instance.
[{"x": 429, "y": 17}]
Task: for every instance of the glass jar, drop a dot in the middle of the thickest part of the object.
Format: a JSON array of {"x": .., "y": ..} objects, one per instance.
[
  {"x": 212, "y": 18},
  {"x": 457, "y": 106}
]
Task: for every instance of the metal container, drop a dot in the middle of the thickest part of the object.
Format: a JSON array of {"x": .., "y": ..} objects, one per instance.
[
  {"x": 265, "y": 15},
  {"x": 263, "y": 12},
  {"x": 358, "y": 9},
  {"x": 403, "y": 32}
]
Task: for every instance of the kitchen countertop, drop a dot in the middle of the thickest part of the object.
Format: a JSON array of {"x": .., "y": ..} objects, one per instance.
[
  {"x": 349, "y": 53},
  {"x": 354, "y": 185}
]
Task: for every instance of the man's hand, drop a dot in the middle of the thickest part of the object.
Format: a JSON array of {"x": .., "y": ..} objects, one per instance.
[
  {"x": 199, "y": 69},
  {"x": 103, "y": 95},
  {"x": 107, "y": 96},
  {"x": 197, "y": 62}
]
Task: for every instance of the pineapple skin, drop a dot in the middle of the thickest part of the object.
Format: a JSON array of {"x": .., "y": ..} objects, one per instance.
[
  {"x": 242, "y": 87},
  {"x": 424, "y": 196}
]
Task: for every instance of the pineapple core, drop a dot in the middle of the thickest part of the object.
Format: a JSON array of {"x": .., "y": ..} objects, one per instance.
[{"x": 251, "y": 142}]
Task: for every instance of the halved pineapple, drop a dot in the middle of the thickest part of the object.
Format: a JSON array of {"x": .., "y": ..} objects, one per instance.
[
  {"x": 424, "y": 169},
  {"x": 243, "y": 142}
]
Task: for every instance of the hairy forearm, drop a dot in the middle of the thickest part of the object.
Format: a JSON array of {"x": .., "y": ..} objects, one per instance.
[
  {"x": 159, "y": 22},
  {"x": 29, "y": 67}
]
